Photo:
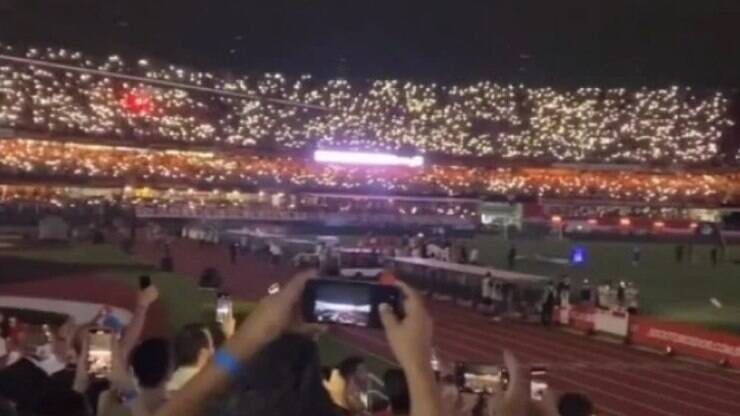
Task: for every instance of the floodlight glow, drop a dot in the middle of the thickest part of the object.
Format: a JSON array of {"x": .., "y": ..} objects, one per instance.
[{"x": 367, "y": 158}]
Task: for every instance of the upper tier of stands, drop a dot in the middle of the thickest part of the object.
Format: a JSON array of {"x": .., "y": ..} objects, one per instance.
[{"x": 674, "y": 125}]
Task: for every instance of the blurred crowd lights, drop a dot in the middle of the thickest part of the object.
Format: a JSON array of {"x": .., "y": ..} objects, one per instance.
[
  {"x": 367, "y": 158},
  {"x": 484, "y": 119}
]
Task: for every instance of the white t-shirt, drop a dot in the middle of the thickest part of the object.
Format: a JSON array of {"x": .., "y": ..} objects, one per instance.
[
  {"x": 275, "y": 250},
  {"x": 473, "y": 255},
  {"x": 497, "y": 293},
  {"x": 632, "y": 295},
  {"x": 485, "y": 289}
]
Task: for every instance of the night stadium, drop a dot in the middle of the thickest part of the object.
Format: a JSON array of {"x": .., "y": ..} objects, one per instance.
[{"x": 577, "y": 231}]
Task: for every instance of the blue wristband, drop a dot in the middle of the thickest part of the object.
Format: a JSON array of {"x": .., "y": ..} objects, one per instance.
[{"x": 227, "y": 362}]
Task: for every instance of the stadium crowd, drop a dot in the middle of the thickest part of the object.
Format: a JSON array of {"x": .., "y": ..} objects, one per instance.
[
  {"x": 674, "y": 125},
  {"x": 44, "y": 160},
  {"x": 267, "y": 365}
]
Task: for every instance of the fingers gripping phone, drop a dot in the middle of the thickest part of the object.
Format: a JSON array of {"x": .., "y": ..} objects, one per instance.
[
  {"x": 100, "y": 354},
  {"x": 340, "y": 302}
]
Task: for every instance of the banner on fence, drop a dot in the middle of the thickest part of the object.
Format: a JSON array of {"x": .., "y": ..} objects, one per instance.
[{"x": 686, "y": 340}]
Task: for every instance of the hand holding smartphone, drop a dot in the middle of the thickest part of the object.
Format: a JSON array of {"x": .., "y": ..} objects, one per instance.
[
  {"x": 480, "y": 378},
  {"x": 538, "y": 383},
  {"x": 144, "y": 281},
  {"x": 100, "y": 353},
  {"x": 224, "y": 307},
  {"x": 486, "y": 379},
  {"x": 329, "y": 301}
]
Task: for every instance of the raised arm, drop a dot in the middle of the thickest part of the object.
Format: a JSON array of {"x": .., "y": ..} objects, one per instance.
[
  {"x": 411, "y": 342},
  {"x": 273, "y": 316},
  {"x": 133, "y": 331}
]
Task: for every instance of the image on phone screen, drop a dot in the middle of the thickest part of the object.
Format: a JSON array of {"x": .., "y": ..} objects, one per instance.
[
  {"x": 479, "y": 379},
  {"x": 223, "y": 308},
  {"x": 538, "y": 384},
  {"x": 347, "y": 303},
  {"x": 100, "y": 354}
]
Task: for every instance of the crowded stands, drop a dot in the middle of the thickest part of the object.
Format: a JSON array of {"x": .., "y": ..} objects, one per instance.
[
  {"x": 42, "y": 160},
  {"x": 674, "y": 125}
]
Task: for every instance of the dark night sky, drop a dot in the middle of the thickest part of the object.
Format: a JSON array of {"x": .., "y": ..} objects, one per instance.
[{"x": 565, "y": 42}]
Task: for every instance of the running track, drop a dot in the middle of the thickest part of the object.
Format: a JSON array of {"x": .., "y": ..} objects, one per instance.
[{"x": 622, "y": 381}]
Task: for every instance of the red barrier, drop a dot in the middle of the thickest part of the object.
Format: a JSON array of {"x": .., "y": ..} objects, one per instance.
[
  {"x": 686, "y": 340},
  {"x": 583, "y": 318}
]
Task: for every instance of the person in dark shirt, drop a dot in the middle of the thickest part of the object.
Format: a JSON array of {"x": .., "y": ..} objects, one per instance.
[
  {"x": 679, "y": 253},
  {"x": 397, "y": 391},
  {"x": 548, "y": 305},
  {"x": 233, "y": 251},
  {"x": 16, "y": 381},
  {"x": 511, "y": 258}
]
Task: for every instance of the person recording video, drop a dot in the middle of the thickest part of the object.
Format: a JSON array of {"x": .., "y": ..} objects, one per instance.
[{"x": 410, "y": 340}]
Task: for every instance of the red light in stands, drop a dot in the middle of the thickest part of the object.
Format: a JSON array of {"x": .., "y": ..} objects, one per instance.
[
  {"x": 138, "y": 102},
  {"x": 625, "y": 222}
]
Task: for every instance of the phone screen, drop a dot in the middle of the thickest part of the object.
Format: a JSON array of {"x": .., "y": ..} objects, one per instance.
[
  {"x": 144, "y": 282},
  {"x": 100, "y": 352},
  {"x": 538, "y": 384},
  {"x": 273, "y": 289},
  {"x": 479, "y": 379},
  {"x": 223, "y": 308},
  {"x": 348, "y": 303}
]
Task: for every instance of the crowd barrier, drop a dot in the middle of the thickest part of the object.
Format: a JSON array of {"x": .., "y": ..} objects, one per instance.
[
  {"x": 590, "y": 319},
  {"x": 686, "y": 340},
  {"x": 680, "y": 339},
  {"x": 327, "y": 218}
]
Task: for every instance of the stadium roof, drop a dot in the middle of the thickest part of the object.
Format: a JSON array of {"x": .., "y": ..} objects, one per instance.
[{"x": 572, "y": 42}]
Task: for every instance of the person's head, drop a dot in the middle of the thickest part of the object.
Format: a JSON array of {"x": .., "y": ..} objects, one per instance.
[
  {"x": 575, "y": 404},
  {"x": 193, "y": 346},
  {"x": 34, "y": 343},
  {"x": 284, "y": 379},
  {"x": 151, "y": 362},
  {"x": 397, "y": 391},
  {"x": 356, "y": 377}
]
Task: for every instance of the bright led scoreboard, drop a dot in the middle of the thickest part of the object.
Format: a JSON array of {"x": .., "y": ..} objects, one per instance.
[{"x": 367, "y": 158}]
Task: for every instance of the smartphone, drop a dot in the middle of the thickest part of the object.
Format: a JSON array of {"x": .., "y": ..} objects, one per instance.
[
  {"x": 100, "y": 355},
  {"x": 480, "y": 378},
  {"x": 538, "y": 384},
  {"x": 353, "y": 303},
  {"x": 273, "y": 289},
  {"x": 144, "y": 281},
  {"x": 224, "y": 307}
]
